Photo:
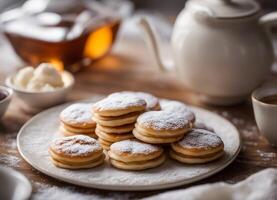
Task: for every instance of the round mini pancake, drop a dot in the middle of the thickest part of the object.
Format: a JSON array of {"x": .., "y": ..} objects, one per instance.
[
  {"x": 161, "y": 134},
  {"x": 126, "y": 116},
  {"x": 105, "y": 147},
  {"x": 79, "y": 165},
  {"x": 117, "y": 129},
  {"x": 117, "y": 121},
  {"x": 138, "y": 165},
  {"x": 105, "y": 142},
  {"x": 77, "y": 130},
  {"x": 78, "y": 115},
  {"x": 76, "y": 147},
  {"x": 194, "y": 160},
  {"x": 152, "y": 102},
  {"x": 198, "y": 142},
  {"x": 133, "y": 150},
  {"x": 69, "y": 133},
  {"x": 177, "y": 106},
  {"x": 165, "y": 120},
  {"x": 119, "y": 104},
  {"x": 156, "y": 140},
  {"x": 113, "y": 137},
  {"x": 75, "y": 161}
]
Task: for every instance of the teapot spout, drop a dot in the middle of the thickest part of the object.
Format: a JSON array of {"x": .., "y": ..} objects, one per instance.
[{"x": 152, "y": 43}]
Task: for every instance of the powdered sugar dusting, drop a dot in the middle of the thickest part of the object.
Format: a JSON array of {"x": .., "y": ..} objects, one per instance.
[
  {"x": 79, "y": 112},
  {"x": 151, "y": 101},
  {"x": 200, "y": 138},
  {"x": 119, "y": 101},
  {"x": 134, "y": 146},
  {"x": 79, "y": 145},
  {"x": 177, "y": 106},
  {"x": 164, "y": 120},
  {"x": 36, "y": 137}
]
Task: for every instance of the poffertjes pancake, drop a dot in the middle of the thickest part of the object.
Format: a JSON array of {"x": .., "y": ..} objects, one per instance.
[
  {"x": 177, "y": 106},
  {"x": 105, "y": 142},
  {"x": 105, "y": 146},
  {"x": 160, "y": 134},
  {"x": 135, "y": 155},
  {"x": 138, "y": 165},
  {"x": 152, "y": 102},
  {"x": 133, "y": 150},
  {"x": 76, "y": 152},
  {"x": 194, "y": 160},
  {"x": 117, "y": 129},
  {"x": 79, "y": 165},
  {"x": 78, "y": 115},
  {"x": 113, "y": 137},
  {"x": 198, "y": 146},
  {"x": 198, "y": 142},
  {"x": 165, "y": 126},
  {"x": 75, "y": 160},
  {"x": 77, "y": 130},
  {"x": 116, "y": 121},
  {"x": 69, "y": 133},
  {"x": 165, "y": 120},
  {"x": 119, "y": 104},
  {"x": 155, "y": 140}
]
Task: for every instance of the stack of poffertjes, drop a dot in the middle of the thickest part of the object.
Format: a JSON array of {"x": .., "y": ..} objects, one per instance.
[{"x": 134, "y": 129}]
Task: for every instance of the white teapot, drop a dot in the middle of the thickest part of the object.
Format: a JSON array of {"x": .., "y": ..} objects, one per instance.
[{"x": 221, "y": 48}]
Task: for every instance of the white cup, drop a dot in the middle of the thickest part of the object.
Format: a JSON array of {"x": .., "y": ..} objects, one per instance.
[{"x": 266, "y": 114}]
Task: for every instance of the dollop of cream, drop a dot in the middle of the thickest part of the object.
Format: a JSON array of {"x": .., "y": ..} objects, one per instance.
[{"x": 44, "y": 78}]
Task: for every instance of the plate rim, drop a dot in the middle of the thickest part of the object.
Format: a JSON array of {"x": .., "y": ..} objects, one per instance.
[{"x": 125, "y": 187}]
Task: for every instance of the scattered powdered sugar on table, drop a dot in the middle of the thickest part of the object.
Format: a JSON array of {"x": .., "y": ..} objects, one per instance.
[
  {"x": 45, "y": 191},
  {"x": 164, "y": 120},
  {"x": 75, "y": 145},
  {"x": 9, "y": 160},
  {"x": 133, "y": 146},
  {"x": 253, "y": 141},
  {"x": 200, "y": 139},
  {"x": 119, "y": 101},
  {"x": 69, "y": 193},
  {"x": 78, "y": 112},
  {"x": 11, "y": 143},
  {"x": 36, "y": 137}
]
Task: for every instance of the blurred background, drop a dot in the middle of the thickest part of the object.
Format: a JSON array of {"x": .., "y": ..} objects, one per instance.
[
  {"x": 99, "y": 41},
  {"x": 172, "y": 7}
]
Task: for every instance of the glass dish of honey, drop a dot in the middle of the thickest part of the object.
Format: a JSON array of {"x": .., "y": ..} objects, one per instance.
[{"x": 62, "y": 32}]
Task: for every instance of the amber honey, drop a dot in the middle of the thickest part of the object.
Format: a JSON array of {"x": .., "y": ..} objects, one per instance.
[{"x": 48, "y": 45}]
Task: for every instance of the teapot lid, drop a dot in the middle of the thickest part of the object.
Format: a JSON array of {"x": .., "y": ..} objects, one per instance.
[{"x": 227, "y": 8}]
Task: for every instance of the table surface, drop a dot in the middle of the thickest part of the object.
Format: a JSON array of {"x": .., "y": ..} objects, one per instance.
[{"x": 129, "y": 67}]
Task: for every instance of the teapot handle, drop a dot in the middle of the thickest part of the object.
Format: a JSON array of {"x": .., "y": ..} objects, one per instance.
[
  {"x": 268, "y": 20},
  {"x": 151, "y": 41}
]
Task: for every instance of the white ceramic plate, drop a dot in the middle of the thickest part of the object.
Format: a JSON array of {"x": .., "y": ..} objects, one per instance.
[{"x": 34, "y": 138}]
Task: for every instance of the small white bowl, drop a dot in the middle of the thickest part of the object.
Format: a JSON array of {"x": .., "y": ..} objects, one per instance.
[
  {"x": 4, "y": 103},
  {"x": 14, "y": 185},
  {"x": 37, "y": 101}
]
